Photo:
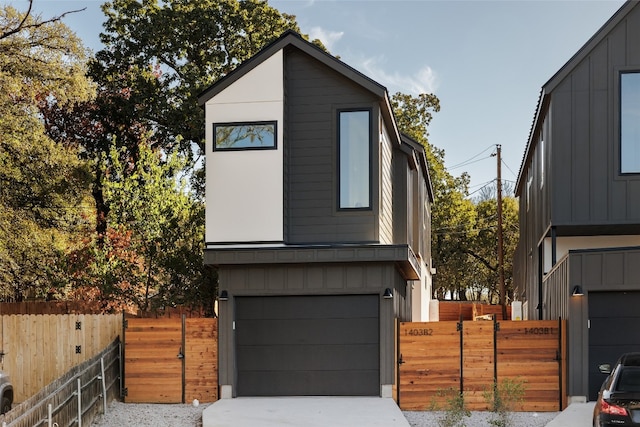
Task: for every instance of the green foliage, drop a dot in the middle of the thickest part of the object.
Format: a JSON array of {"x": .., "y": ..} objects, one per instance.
[
  {"x": 151, "y": 255},
  {"x": 503, "y": 398},
  {"x": 464, "y": 242},
  {"x": 454, "y": 411},
  {"x": 43, "y": 185},
  {"x": 165, "y": 53},
  {"x": 453, "y": 215}
]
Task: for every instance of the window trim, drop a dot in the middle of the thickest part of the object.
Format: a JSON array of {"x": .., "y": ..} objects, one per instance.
[
  {"x": 339, "y": 206},
  {"x": 619, "y": 113},
  {"x": 274, "y": 123}
]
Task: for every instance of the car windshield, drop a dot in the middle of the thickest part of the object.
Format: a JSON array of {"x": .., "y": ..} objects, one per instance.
[{"x": 629, "y": 380}]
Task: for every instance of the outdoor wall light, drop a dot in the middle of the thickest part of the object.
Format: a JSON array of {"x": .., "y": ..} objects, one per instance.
[
  {"x": 388, "y": 294},
  {"x": 224, "y": 296},
  {"x": 577, "y": 291}
]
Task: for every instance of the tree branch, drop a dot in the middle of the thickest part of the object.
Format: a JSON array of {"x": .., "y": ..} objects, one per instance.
[
  {"x": 479, "y": 258},
  {"x": 22, "y": 25}
]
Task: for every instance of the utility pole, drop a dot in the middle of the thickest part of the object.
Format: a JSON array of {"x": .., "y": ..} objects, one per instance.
[{"x": 500, "y": 244}]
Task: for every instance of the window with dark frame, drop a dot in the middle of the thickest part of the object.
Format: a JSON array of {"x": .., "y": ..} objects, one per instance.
[
  {"x": 245, "y": 136},
  {"x": 354, "y": 151},
  {"x": 630, "y": 122}
]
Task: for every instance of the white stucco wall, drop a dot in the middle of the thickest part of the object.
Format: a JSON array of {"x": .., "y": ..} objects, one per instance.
[
  {"x": 565, "y": 244},
  {"x": 421, "y": 306},
  {"x": 244, "y": 189}
]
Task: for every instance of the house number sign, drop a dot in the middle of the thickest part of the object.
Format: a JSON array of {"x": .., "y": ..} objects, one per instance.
[
  {"x": 540, "y": 331},
  {"x": 419, "y": 332}
]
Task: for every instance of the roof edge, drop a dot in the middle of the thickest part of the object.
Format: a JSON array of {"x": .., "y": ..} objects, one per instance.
[
  {"x": 291, "y": 38},
  {"x": 597, "y": 37}
]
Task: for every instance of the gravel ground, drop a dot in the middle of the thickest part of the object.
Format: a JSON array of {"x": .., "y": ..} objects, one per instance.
[
  {"x": 150, "y": 415},
  {"x": 156, "y": 415},
  {"x": 482, "y": 419}
]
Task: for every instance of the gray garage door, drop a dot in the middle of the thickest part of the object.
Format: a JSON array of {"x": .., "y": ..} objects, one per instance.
[
  {"x": 308, "y": 345},
  {"x": 614, "y": 329}
]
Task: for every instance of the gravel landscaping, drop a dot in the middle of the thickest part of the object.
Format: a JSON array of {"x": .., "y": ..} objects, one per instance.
[{"x": 156, "y": 415}]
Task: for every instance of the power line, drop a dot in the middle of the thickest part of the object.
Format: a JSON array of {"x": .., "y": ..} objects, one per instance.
[
  {"x": 507, "y": 166},
  {"x": 471, "y": 160}
]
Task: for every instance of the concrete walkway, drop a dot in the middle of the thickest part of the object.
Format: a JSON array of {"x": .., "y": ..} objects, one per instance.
[
  {"x": 576, "y": 415},
  {"x": 304, "y": 411}
]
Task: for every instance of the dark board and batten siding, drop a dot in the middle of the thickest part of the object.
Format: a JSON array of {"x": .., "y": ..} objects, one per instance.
[
  {"x": 585, "y": 117},
  {"x": 340, "y": 279},
  {"x": 313, "y": 94},
  {"x": 605, "y": 275}
]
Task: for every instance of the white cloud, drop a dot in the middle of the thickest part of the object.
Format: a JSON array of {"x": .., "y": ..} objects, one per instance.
[
  {"x": 425, "y": 80},
  {"x": 328, "y": 38}
]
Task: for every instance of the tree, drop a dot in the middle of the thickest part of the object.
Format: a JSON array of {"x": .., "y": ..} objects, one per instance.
[
  {"x": 483, "y": 248},
  {"x": 151, "y": 255},
  {"x": 453, "y": 214},
  {"x": 166, "y": 53},
  {"x": 42, "y": 184},
  {"x": 158, "y": 57}
]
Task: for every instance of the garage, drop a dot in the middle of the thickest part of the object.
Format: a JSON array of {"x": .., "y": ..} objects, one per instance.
[
  {"x": 613, "y": 329},
  {"x": 325, "y": 345}
]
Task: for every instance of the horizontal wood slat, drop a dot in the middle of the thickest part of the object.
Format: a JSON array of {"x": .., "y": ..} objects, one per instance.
[
  {"x": 153, "y": 370},
  {"x": 435, "y": 361}
]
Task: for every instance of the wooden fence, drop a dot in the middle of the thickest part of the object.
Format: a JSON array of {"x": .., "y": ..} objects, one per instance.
[
  {"x": 171, "y": 360},
  {"x": 443, "y": 357},
  {"x": 37, "y": 349},
  {"x": 75, "y": 398},
  {"x": 468, "y": 310}
]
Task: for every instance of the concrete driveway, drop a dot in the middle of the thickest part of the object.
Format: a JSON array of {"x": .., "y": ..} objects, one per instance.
[
  {"x": 304, "y": 411},
  {"x": 576, "y": 415}
]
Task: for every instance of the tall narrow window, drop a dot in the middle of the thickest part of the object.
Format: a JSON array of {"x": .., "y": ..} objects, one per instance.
[
  {"x": 355, "y": 156},
  {"x": 630, "y": 122},
  {"x": 542, "y": 158}
]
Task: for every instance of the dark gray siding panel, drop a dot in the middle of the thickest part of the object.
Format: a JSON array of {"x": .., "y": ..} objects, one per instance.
[
  {"x": 614, "y": 270},
  {"x": 561, "y": 154},
  {"x": 313, "y": 93},
  {"x": 580, "y": 143},
  {"x": 587, "y": 186},
  {"x": 598, "y": 183}
]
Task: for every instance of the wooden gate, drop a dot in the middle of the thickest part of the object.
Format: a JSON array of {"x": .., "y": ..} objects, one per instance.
[
  {"x": 439, "y": 358},
  {"x": 171, "y": 360}
]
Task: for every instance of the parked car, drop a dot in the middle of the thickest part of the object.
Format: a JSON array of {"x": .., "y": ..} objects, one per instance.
[
  {"x": 618, "y": 401},
  {"x": 6, "y": 391}
]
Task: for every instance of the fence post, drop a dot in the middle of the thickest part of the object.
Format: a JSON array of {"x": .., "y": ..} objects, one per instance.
[
  {"x": 560, "y": 367},
  {"x": 460, "y": 327},
  {"x": 49, "y": 415},
  {"x": 184, "y": 352},
  {"x": 104, "y": 386},
  {"x": 79, "y": 403}
]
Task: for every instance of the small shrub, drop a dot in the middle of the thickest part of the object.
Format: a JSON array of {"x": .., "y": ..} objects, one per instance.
[
  {"x": 503, "y": 398},
  {"x": 454, "y": 411}
]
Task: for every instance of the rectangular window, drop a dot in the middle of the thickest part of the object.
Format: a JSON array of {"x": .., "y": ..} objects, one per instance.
[
  {"x": 354, "y": 142},
  {"x": 542, "y": 158},
  {"x": 244, "y": 136},
  {"x": 630, "y": 122}
]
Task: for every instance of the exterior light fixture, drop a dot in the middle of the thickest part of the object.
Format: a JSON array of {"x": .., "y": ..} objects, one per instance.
[
  {"x": 224, "y": 296},
  {"x": 577, "y": 291},
  {"x": 388, "y": 294}
]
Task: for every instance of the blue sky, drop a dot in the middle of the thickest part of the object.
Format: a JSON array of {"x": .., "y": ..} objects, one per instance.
[{"x": 485, "y": 60}]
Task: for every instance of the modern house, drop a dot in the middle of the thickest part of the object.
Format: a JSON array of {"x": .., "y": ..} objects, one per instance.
[
  {"x": 318, "y": 220},
  {"x": 579, "y": 188}
]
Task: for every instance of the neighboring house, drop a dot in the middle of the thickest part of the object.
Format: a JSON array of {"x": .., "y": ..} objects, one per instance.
[
  {"x": 318, "y": 219},
  {"x": 579, "y": 187}
]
